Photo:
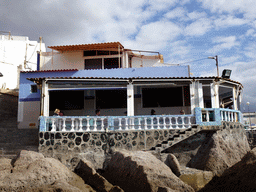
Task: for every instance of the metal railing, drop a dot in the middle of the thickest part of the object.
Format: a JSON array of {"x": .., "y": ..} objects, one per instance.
[{"x": 114, "y": 123}]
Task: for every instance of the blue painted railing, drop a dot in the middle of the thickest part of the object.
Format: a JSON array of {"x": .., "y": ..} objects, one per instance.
[
  {"x": 203, "y": 117},
  {"x": 214, "y": 116}
]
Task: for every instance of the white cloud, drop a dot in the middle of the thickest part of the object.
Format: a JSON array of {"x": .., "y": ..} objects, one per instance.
[
  {"x": 160, "y": 5},
  {"x": 229, "y": 60},
  {"x": 228, "y": 21},
  {"x": 247, "y": 7},
  {"x": 176, "y": 13},
  {"x": 250, "y": 51},
  {"x": 223, "y": 43},
  {"x": 156, "y": 35},
  {"x": 196, "y": 15},
  {"x": 199, "y": 27},
  {"x": 250, "y": 32}
]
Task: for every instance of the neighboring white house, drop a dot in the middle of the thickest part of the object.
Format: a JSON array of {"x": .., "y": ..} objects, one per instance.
[
  {"x": 250, "y": 119},
  {"x": 17, "y": 53}
]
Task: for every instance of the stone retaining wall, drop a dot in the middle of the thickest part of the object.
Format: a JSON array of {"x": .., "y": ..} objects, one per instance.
[{"x": 65, "y": 145}]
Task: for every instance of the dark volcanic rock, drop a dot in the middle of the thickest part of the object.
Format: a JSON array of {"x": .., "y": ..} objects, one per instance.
[
  {"x": 221, "y": 151},
  {"x": 86, "y": 171},
  {"x": 40, "y": 174},
  {"x": 240, "y": 177},
  {"x": 141, "y": 171}
]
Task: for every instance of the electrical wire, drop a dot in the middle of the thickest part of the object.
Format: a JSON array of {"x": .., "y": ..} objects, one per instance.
[{"x": 192, "y": 61}]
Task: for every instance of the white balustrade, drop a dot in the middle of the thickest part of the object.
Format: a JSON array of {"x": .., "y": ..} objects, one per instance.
[{"x": 93, "y": 124}]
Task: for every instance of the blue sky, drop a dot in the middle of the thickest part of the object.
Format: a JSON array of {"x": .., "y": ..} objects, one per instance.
[{"x": 181, "y": 30}]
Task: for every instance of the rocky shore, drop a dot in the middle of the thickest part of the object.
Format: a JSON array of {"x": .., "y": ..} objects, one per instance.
[
  {"x": 122, "y": 170},
  {"x": 207, "y": 161}
]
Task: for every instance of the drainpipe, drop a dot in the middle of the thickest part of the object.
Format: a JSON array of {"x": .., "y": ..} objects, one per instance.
[{"x": 39, "y": 54}]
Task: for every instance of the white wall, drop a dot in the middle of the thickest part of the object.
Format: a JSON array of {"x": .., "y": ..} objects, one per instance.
[
  {"x": 12, "y": 57},
  {"x": 28, "y": 114},
  {"x": 140, "y": 62},
  {"x": 75, "y": 60},
  {"x": 65, "y": 60}
]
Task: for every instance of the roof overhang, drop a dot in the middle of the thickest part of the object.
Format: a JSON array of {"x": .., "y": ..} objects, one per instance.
[
  {"x": 137, "y": 80},
  {"x": 115, "y": 46}
]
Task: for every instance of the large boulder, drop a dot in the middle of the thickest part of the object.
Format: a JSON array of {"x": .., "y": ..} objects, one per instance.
[
  {"x": 39, "y": 174},
  {"x": 86, "y": 171},
  {"x": 5, "y": 166},
  {"x": 24, "y": 158},
  {"x": 170, "y": 160},
  {"x": 141, "y": 171},
  {"x": 96, "y": 159},
  {"x": 195, "y": 178},
  {"x": 221, "y": 151},
  {"x": 240, "y": 177}
]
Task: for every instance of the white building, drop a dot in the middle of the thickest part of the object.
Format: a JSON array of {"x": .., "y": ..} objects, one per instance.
[
  {"x": 78, "y": 79},
  {"x": 17, "y": 53},
  {"x": 250, "y": 119}
]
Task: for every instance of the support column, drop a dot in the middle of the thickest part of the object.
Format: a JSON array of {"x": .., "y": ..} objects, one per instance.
[
  {"x": 130, "y": 99},
  {"x": 200, "y": 95},
  {"x": 126, "y": 60},
  {"x": 235, "y": 95},
  {"x": 215, "y": 95},
  {"x": 192, "y": 97},
  {"x": 45, "y": 98}
]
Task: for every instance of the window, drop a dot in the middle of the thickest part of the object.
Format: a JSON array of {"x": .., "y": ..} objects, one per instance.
[
  {"x": 162, "y": 97},
  {"x": 66, "y": 100},
  {"x": 93, "y": 64},
  {"x": 100, "y": 52},
  {"x": 105, "y": 63},
  {"x": 110, "y": 63},
  {"x": 33, "y": 89},
  {"x": 107, "y": 99}
]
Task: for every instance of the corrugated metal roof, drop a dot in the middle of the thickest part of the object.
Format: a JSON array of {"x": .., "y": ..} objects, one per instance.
[
  {"x": 170, "y": 72},
  {"x": 41, "y": 71},
  {"x": 94, "y": 46}
]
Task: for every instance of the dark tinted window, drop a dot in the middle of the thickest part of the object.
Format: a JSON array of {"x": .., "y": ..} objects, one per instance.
[
  {"x": 66, "y": 100},
  {"x": 90, "y": 53},
  {"x": 162, "y": 97},
  {"x": 107, "y": 99}
]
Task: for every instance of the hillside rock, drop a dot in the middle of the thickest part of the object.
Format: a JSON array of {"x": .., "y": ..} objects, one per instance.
[
  {"x": 240, "y": 177},
  {"x": 221, "y": 151},
  {"x": 86, "y": 171},
  {"x": 141, "y": 171},
  {"x": 40, "y": 173}
]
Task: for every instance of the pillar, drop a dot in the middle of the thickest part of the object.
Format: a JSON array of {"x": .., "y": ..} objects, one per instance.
[
  {"x": 192, "y": 97},
  {"x": 235, "y": 95},
  {"x": 130, "y": 99},
  {"x": 215, "y": 95},
  {"x": 45, "y": 99}
]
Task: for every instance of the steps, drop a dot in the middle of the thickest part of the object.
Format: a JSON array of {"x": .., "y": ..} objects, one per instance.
[
  {"x": 12, "y": 139},
  {"x": 179, "y": 136}
]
